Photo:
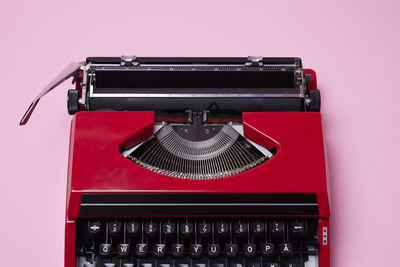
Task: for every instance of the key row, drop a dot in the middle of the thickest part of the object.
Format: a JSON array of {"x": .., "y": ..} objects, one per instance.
[
  {"x": 171, "y": 230},
  {"x": 128, "y": 264},
  {"x": 196, "y": 250}
]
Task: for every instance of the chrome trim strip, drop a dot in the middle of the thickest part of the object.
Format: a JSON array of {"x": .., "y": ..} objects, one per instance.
[
  {"x": 195, "y": 204},
  {"x": 200, "y": 95}
]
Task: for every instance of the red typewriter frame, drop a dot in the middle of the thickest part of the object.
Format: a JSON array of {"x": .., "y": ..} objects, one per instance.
[{"x": 97, "y": 166}]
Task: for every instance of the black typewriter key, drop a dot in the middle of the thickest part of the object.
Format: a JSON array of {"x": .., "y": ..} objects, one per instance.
[
  {"x": 183, "y": 265},
  {"x": 249, "y": 250},
  {"x": 272, "y": 264},
  {"x": 236, "y": 265},
  {"x": 114, "y": 228},
  {"x": 164, "y": 265},
  {"x": 105, "y": 250},
  {"x": 290, "y": 264},
  {"x": 186, "y": 230},
  {"x": 142, "y": 250},
  {"x": 133, "y": 228},
  {"x": 88, "y": 248},
  {"x": 147, "y": 264},
  {"x": 196, "y": 250},
  {"x": 222, "y": 229},
  {"x": 123, "y": 250},
  {"x": 150, "y": 230},
  {"x": 253, "y": 264},
  {"x": 169, "y": 229},
  {"x": 94, "y": 229},
  {"x": 258, "y": 229},
  {"x": 200, "y": 265},
  {"x": 297, "y": 229},
  {"x": 267, "y": 249},
  {"x": 276, "y": 228},
  {"x": 204, "y": 229},
  {"x": 177, "y": 250},
  {"x": 109, "y": 264},
  {"x": 286, "y": 249},
  {"x": 213, "y": 250},
  {"x": 127, "y": 264},
  {"x": 218, "y": 265},
  {"x": 240, "y": 230},
  {"x": 160, "y": 250},
  {"x": 231, "y": 250}
]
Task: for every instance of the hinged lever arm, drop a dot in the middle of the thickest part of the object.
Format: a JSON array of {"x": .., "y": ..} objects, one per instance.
[{"x": 68, "y": 72}]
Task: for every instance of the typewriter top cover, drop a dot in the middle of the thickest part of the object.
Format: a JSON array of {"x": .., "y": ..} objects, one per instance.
[{"x": 192, "y": 137}]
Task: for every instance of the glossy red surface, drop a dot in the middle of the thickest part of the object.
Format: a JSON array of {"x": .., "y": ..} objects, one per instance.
[{"x": 97, "y": 166}]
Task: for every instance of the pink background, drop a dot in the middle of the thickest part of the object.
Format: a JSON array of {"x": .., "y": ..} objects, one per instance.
[{"x": 353, "y": 46}]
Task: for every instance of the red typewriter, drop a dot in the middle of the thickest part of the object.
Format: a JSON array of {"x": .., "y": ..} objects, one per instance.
[{"x": 194, "y": 162}]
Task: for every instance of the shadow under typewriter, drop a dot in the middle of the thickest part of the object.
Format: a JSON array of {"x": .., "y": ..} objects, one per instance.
[{"x": 194, "y": 151}]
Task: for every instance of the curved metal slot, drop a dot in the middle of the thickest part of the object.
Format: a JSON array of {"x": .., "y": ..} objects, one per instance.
[{"x": 171, "y": 153}]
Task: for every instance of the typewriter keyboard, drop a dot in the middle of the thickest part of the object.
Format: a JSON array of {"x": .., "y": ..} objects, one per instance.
[{"x": 197, "y": 242}]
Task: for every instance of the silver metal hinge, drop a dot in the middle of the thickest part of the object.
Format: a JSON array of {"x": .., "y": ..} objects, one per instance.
[
  {"x": 128, "y": 61},
  {"x": 254, "y": 61}
]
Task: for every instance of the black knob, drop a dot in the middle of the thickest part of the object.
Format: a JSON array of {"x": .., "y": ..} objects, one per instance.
[
  {"x": 114, "y": 228},
  {"x": 213, "y": 250},
  {"x": 169, "y": 229},
  {"x": 315, "y": 100},
  {"x": 150, "y": 229},
  {"x": 240, "y": 230},
  {"x": 249, "y": 250},
  {"x": 286, "y": 249},
  {"x": 73, "y": 101},
  {"x": 187, "y": 230},
  {"x": 132, "y": 228},
  {"x": 297, "y": 229},
  {"x": 222, "y": 229},
  {"x": 308, "y": 78},
  {"x": 94, "y": 229},
  {"x": 231, "y": 250}
]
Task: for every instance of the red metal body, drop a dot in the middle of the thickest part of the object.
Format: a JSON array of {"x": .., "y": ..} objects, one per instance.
[{"x": 97, "y": 166}]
